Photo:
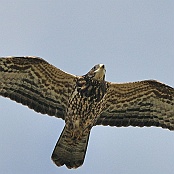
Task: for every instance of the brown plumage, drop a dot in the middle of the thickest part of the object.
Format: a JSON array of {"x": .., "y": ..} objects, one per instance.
[{"x": 84, "y": 101}]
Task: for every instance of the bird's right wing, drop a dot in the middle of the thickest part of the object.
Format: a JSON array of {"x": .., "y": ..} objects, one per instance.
[{"x": 35, "y": 83}]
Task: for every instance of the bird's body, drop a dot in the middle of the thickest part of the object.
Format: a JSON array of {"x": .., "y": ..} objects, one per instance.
[
  {"x": 85, "y": 105},
  {"x": 84, "y": 101}
]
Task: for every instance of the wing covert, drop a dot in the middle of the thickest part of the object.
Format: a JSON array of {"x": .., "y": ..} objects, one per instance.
[
  {"x": 144, "y": 103},
  {"x": 35, "y": 83}
]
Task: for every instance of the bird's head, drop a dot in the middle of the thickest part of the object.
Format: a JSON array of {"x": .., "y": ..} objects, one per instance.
[{"x": 97, "y": 72}]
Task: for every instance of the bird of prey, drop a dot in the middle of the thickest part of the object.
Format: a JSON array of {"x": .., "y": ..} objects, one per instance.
[{"x": 84, "y": 101}]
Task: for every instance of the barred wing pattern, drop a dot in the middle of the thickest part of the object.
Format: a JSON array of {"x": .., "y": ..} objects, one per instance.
[
  {"x": 144, "y": 103},
  {"x": 35, "y": 83}
]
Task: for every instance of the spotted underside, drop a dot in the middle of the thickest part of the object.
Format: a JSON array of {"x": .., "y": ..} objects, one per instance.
[{"x": 84, "y": 101}]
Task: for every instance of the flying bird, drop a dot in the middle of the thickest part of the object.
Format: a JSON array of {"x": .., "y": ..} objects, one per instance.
[{"x": 84, "y": 101}]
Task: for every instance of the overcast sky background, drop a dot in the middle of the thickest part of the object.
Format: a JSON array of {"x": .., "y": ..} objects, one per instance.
[{"x": 133, "y": 38}]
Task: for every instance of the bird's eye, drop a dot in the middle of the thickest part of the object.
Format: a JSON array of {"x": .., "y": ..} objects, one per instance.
[{"x": 95, "y": 67}]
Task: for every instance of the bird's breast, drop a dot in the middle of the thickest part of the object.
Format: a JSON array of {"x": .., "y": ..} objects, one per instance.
[
  {"x": 92, "y": 90},
  {"x": 85, "y": 104}
]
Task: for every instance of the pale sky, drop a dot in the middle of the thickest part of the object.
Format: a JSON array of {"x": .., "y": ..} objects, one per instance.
[{"x": 133, "y": 38}]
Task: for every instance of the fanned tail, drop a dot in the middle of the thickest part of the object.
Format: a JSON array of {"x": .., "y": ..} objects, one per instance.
[{"x": 69, "y": 151}]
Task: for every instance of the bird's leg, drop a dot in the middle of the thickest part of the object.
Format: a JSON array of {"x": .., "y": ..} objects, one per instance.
[{"x": 76, "y": 132}]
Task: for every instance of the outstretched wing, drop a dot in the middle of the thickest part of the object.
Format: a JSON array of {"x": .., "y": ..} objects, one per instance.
[
  {"x": 144, "y": 103},
  {"x": 35, "y": 83}
]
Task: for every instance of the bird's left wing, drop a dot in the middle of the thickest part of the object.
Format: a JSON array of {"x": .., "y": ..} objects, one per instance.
[
  {"x": 35, "y": 83},
  {"x": 144, "y": 103}
]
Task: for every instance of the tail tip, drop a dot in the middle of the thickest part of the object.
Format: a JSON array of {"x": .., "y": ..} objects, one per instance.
[{"x": 69, "y": 164}]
